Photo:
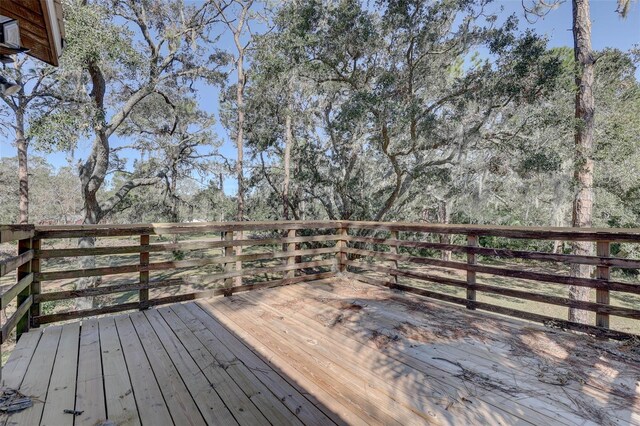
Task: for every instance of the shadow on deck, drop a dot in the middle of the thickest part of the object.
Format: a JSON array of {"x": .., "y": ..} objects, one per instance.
[{"x": 331, "y": 351}]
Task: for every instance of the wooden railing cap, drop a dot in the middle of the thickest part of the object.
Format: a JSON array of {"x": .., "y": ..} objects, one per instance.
[{"x": 10, "y": 233}]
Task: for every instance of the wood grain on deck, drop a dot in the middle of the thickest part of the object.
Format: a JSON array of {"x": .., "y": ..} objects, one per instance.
[{"x": 335, "y": 351}]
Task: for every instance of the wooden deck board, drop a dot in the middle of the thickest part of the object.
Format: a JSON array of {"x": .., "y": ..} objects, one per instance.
[
  {"x": 90, "y": 388},
  {"x": 477, "y": 358},
  {"x": 62, "y": 386},
  {"x": 362, "y": 399},
  {"x": 37, "y": 377},
  {"x": 119, "y": 399},
  {"x": 254, "y": 389},
  {"x": 151, "y": 404},
  {"x": 243, "y": 410},
  {"x": 319, "y": 353},
  {"x": 284, "y": 391},
  {"x": 393, "y": 378},
  {"x": 14, "y": 370},
  {"x": 491, "y": 352},
  {"x": 209, "y": 402},
  {"x": 179, "y": 401},
  {"x": 429, "y": 368}
]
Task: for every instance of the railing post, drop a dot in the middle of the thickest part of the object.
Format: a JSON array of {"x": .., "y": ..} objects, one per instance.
[
  {"x": 341, "y": 243},
  {"x": 393, "y": 248},
  {"x": 472, "y": 241},
  {"x": 291, "y": 260},
  {"x": 238, "y": 235},
  {"x": 228, "y": 266},
  {"x": 144, "y": 275},
  {"x": 603, "y": 249},
  {"x": 36, "y": 286},
  {"x": 25, "y": 322}
]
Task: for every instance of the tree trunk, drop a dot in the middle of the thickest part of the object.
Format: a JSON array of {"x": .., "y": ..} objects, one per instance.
[
  {"x": 240, "y": 131},
  {"x": 23, "y": 166},
  {"x": 287, "y": 165},
  {"x": 92, "y": 173},
  {"x": 443, "y": 217},
  {"x": 558, "y": 213},
  {"x": 91, "y": 217},
  {"x": 583, "y": 167}
]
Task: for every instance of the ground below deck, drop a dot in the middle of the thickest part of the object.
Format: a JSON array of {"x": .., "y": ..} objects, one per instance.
[{"x": 335, "y": 351}]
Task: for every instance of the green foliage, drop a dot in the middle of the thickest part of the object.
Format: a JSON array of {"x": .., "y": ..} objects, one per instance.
[
  {"x": 385, "y": 100},
  {"x": 93, "y": 36},
  {"x": 400, "y": 110}
]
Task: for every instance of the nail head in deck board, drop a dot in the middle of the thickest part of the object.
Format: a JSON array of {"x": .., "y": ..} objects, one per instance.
[
  {"x": 236, "y": 401},
  {"x": 211, "y": 406},
  {"x": 36, "y": 379},
  {"x": 90, "y": 398},
  {"x": 178, "y": 399},
  {"x": 121, "y": 404},
  {"x": 62, "y": 386},
  {"x": 146, "y": 391}
]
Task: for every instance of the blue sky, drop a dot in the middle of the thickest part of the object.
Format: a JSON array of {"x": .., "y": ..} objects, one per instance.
[{"x": 608, "y": 30}]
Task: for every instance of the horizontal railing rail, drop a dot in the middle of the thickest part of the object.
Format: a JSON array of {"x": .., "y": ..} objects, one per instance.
[
  {"x": 399, "y": 255},
  {"x": 25, "y": 264},
  {"x": 364, "y": 235},
  {"x": 297, "y": 264}
]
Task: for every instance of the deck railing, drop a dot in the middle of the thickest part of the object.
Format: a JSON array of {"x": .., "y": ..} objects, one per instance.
[
  {"x": 389, "y": 254},
  {"x": 25, "y": 264}
]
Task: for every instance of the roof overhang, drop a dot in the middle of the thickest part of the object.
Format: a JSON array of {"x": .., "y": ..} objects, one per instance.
[{"x": 41, "y": 27}]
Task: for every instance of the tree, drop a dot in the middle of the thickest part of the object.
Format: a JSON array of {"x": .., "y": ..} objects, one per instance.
[
  {"x": 114, "y": 73},
  {"x": 273, "y": 107},
  {"x": 623, "y": 7},
  {"x": 584, "y": 60},
  {"x": 388, "y": 99},
  {"x": 583, "y": 163},
  {"x": 53, "y": 196},
  {"x": 235, "y": 15},
  {"x": 181, "y": 150},
  {"x": 36, "y": 80}
]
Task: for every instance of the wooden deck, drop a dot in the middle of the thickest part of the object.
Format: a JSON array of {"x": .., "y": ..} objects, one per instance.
[{"x": 335, "y": 351}]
